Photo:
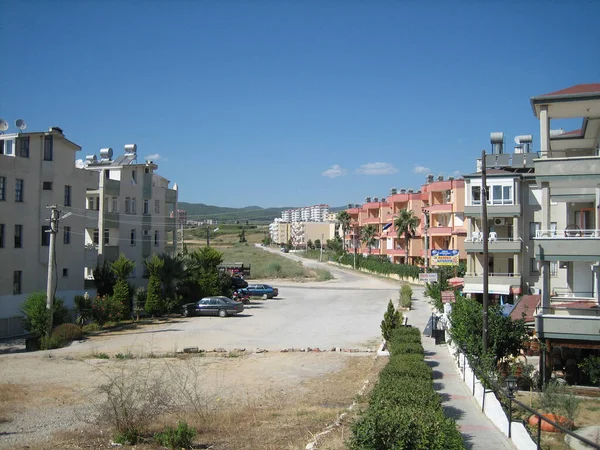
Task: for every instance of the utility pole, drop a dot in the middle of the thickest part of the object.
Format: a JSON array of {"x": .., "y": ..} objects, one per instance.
[
  {"x": 485, "y": 231},
  {"x": 321, "y": 254},
  {"x": 51, "y": 257},
  {"x": 182, "y": 240},
  {"x": 426, "y": 228}
]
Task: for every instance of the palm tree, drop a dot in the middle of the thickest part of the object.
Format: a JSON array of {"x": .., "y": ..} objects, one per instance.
[
  {"x": 172, "y": 274},
  {"x": 369, "y": 236},
  {"x": 344, "y": 219},
  {"x": 406, "y": 224}
]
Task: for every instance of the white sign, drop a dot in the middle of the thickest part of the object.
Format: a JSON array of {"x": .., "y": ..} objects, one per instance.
[{"x": 428, "y": 277}]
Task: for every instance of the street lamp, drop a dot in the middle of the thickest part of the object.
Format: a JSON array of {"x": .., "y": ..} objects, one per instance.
[{"x": 511, "y": 385}]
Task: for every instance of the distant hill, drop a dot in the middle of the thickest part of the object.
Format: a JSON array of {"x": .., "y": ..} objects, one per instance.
[{"x": 200, "y": 211}]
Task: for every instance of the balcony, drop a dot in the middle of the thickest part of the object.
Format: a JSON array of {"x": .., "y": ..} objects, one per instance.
[
  {"x": 440, "y": 208},
  {"x": 567, "y": 245},
  {"x": 572, "y": 174},
  {"x": 498, "y": 283},
  {"x": 494, "y": 210},
  {"x": 396, "y": 252},
  {"x": 111, "y": 220},
  {"x": 171, "y": 196},
  {"x": 169, "y": 224},
  {"x": 569, "y": 319},
  {"x": 439, "y": 231},
  {"x": 91, "y": 254},
  {"x": 497, "y": 245},
  {"x": 373, "y": 251},
  {"x": 112, "y": 187},
  {"x": 371, "y": 220}
]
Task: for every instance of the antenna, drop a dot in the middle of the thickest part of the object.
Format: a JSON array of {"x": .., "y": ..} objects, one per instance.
[
  {"x": 20, "y": 124},
  {"x": 3, "y": 126}
]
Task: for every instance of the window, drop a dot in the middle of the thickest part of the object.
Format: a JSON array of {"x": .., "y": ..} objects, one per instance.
[
  {"x": 533, "y": 266},
  {"x": 96, "y": 237},
  {"x": 476, "y": 195},
  {"x": 534, "y": 227},
  {"x": 134, "y": 177},
  {"x": 18, "y": 236},
  {"x": 19, "y": 190},
  {"x": 48, "y": 148},
  {"x": 47, "y": 185},
  {"x": 553, "y": 268},
  {"x": 5, "y": 147},
  {"x": 156, "y": 238},
  {"x": 501, "y": 195},
  {"x": 1, "y": 235},
  {"x": 67, "y": 195},
  {"x": 127, "y": 205},
  {"x": 65, "y": 273},
  {"x": 146, "y": 170},
  {"x": 2, "y": 188},
  {"x": 146, "y": 207},
  {"x": 23, "y": 147},
  {"x": 17, "y": 282},
  {"x": 45, "y": 235},
  {"x": 106, "y": 236},
  {"x": 133, "y": 206},
  {"x": 157, "y": 206},
  {"x": 553, "y": 226},
  {"x": 115, "y": 205},
  {"x": 66, "y": 235},
  {"x": 132, "y": 237}
]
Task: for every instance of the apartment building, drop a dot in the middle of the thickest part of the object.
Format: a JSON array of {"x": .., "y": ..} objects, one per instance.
[
  {"x": 567, "y": 177},
  {"x": 132, "y": 211},
  {"x": 352, "y": 237},
  {"x": 302, "y": 232},
  {"x": 443, "y": 215},
  {"x": 38, "y": 169},
  {"x": 314, "y": 213},
  {"x": 279, "y": 231}
]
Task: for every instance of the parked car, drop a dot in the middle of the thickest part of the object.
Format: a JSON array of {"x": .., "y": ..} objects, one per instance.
[
  {"x": 212, "y": 306},
  {"x": 238, "y": 282},
  {"x": 260, "y": 290}
]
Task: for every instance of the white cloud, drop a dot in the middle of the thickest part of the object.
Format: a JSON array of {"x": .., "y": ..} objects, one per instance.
[
  {"x": 377, "y": 168},
  {"x": 154, "y": 157},
  {"x": 334, "y": 171},
  {"x": 421, "y": 169}
]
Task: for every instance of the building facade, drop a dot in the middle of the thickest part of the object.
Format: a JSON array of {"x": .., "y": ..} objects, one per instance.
[
  {"x": 314, "y": 213},
  {"x": 38, "y": 170}
]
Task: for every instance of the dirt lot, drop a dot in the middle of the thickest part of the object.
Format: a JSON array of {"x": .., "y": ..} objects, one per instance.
[{"x": 266, "y": 400}]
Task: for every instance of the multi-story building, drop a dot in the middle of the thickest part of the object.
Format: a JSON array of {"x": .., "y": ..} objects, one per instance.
[
  {"x": 303, "y": 232},
  {"x": 130, "y": 212},
  {"x": 315, "y": 213},
  {"x": 319, "y": 213},
  {"x": 279, "y": 230},
  {"x": 567, "y": 235},
  {"x": 352, "y": 237},
  {"x": 443, "y": 203},
  {"x": 37, "y": 170}
]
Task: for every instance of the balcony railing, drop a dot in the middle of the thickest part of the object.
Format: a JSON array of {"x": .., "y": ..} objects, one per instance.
[
  {"x": 495, "y": 274},
  {"x": 369, "y": 220},
  {"x": 568, "y": 233},
  {"x": 495, "y": 243}
]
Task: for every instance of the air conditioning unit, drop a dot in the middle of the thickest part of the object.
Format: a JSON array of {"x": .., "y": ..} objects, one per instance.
[{"x": 499, "y": 221}]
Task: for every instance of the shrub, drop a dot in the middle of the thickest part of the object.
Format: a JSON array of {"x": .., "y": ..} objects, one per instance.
[
  {"x": 406, "y": 294},
  {"x": 36, "y": 316},
  {"x": 176, "y": 438},
  {"x": 591, "y": 367},
  {"x": 154, "y": 297},
  {"x": 51, "y": 342},
  {"x": 106, "y": 308},
  {"x": 91, "y": 327},
  {"x": 391, "y": 320},
  {"x": 67, "y": 332},
  {"x": 139, "y": 301},
  {"x": 83, "y": 304}
]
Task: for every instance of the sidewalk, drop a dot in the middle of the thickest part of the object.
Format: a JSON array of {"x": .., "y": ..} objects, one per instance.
[{"x": 477, "y": 430}]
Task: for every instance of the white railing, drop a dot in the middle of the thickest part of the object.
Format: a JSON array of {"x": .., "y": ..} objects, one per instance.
[
  {"x": 477, "y": 236},
  {"x": 568, "y": 233},
  {"x": 496, "y": 274}
]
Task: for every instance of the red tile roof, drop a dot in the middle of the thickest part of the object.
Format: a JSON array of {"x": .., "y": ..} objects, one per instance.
[
  {"x": 571, "y": 133},
  {"x": 527, "y": 305},
  {"x": 592, "y": 88},
  {"x": 578, "y": 304}
]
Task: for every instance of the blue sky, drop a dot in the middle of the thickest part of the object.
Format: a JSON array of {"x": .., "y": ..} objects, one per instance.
[{"x": 288, "y": 103}]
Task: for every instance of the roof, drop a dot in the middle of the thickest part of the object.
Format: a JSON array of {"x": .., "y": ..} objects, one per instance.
[
  {"x": 527, "y": 305},
  {"x": 572, "y": 133},
  {"x": 492, "y": 172},
  {"x": 578, "y": 89}
]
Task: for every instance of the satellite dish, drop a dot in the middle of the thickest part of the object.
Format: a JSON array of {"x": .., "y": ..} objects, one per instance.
[
  {"x": 3, "y": 125},
  {"x": 20, "y": 124}
]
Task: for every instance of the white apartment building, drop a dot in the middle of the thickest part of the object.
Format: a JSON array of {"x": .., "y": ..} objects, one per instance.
[
  {"x": 279, "y": 231},
  {"x": 319, "y": 213},
  {"x": 131, "y": 211},
  {"x": 286, "y": 216},
  {"x": 315, "y": 213},
  {"x": 302, "y": 232},
  {"x": 37, "y": 170}
]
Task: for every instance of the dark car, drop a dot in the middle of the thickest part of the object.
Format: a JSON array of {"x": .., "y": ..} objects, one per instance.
[
  {"x": 260, "y": 290},
  {"x": 212, "y": 306},
  {"x": 239, "y": 283}
]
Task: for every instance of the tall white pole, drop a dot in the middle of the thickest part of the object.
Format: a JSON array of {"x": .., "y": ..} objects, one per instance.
[{"x": 51, "y": 255}]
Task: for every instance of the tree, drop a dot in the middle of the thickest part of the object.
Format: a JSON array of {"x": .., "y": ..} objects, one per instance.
[
  {"x": 310, "y": 245},
  {"x": 104, "y": 279},
  {"x": 406, "y": 225},
  {"x": 202, "y": 267},
  {"x": 155, "y": 304},
  {"x": 122, "y": 268},
  {"x": 172, "y": 274},
  {"x": 317, "y": 243},
  {"x": 344, "y": 219},
  {"x": 391, "y": 320},
  {"x": 36, "y": 316},
  {"x": 368, "y": 236},
  {"x": 242, "y": 235}
]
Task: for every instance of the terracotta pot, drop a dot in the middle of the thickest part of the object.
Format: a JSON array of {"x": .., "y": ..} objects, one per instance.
[{"x": 546, "y": 426}]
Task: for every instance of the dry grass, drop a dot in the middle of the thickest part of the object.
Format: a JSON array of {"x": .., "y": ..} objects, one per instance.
[{"x": 12, "y": 396}]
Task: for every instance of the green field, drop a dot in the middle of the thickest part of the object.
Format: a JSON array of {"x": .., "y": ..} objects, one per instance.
[{"x": 226, "y": 235}]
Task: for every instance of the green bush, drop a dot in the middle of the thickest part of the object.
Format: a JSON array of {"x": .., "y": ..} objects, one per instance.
[
  {"x": 51, "y": 342},
  {"x": 406, "y": 294},
  {"x": 176, "y": 438},
  {"x": 67, "y": 332},
  {"x": 591, "y": 367},
  {"x": 391, "y": 320},
  {"x": 106, "y": 308},
  {"x": 36, "y": 316},
  {"x": 91, "y": 327}
]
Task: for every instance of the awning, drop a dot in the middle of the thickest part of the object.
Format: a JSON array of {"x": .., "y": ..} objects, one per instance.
[
  {"x": 473, "y": 288},
  {"x": 456, "y": 281},
  {"x": 386, "y": 226}
]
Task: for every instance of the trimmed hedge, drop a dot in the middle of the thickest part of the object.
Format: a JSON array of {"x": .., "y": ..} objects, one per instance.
[{"x": 404, "y": 410}]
